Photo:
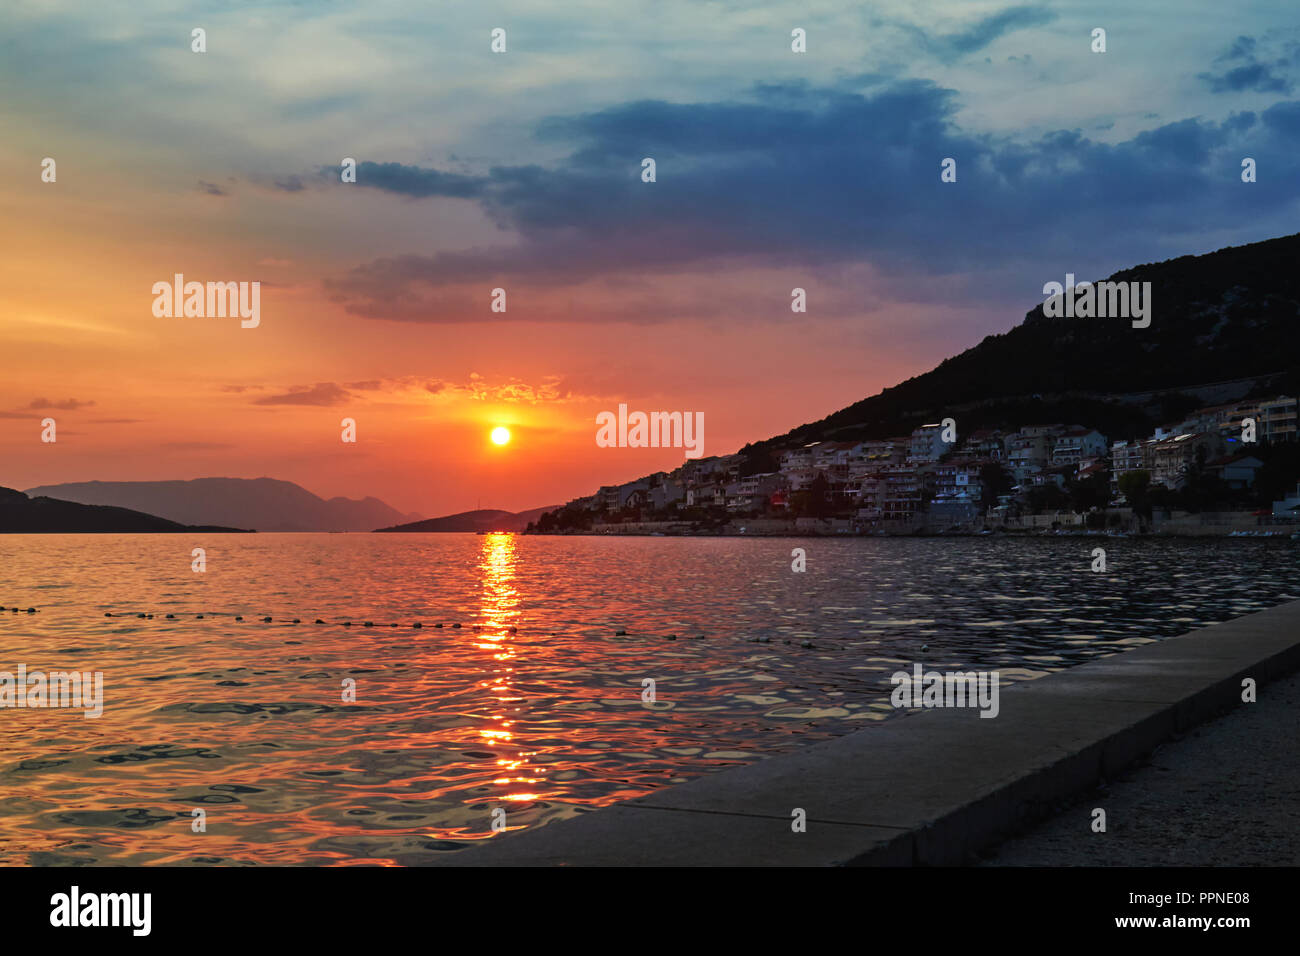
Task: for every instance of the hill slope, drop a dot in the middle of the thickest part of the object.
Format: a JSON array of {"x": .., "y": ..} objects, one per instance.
[
  {"x": 22, "y": 515},
  {"x": 483, "y": 520},
  {"x": 1227, "y": 316},
  {"x": 262, "y": 503}
]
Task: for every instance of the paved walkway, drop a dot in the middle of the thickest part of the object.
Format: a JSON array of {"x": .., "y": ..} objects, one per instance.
[{"x": 1225, "y": 794}]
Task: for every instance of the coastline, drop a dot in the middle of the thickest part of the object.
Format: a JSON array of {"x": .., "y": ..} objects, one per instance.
[{"x": 687, "y": 530}]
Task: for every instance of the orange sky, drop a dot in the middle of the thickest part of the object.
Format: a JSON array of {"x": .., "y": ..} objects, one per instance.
[
  {"x": 142, "y": 398},
  {"x": 522, "y": 171}
]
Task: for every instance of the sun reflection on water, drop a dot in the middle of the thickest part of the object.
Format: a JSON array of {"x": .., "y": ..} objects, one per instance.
[{"x": 498, "y": 613}]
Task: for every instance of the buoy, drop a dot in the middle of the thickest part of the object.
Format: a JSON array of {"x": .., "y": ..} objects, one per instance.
[
  {"x": 266, "y": 620},
  {"x": 319, "y": 621},
  {"x": 139, "y": 615},
  {"x": 171, "y": 617},
  {"x": 31, "y": 610},
  {"x": 347, "y": 623},
  {"x": 457, "y": 624},
  {"x": 369, "y": 624},
  {"x": 297, "y": 620},
  {"x": 925, "y": 647},
  {"x": 619, "y": 633},
  {"x": 108, "y": 614},
  {"x": 672, "y": 637},
  {"x": 437, "y": 625},
  {"x": 239, "y": 617},
  {"x": 807, "y": 644},
  {"x": 198, "y": 617},
  {"x": 417, "y": 624}
]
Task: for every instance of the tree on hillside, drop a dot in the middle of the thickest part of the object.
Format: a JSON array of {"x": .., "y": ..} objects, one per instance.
[
  {"x": 814, "y": 501},
  {"x": 1090, "y": 492},
  {"x": 1046, "y": 497},
  {"x": 994, "y": 481},
  {"x": 1135, "y": 486},
  {"x": 758, "y": 461},
  {"x": 1279, "y": 474}
]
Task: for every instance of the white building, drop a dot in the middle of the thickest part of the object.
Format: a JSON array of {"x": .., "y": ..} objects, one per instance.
[
  {"x": 927, "y": 444},
  {"x": 752, "y": 492},
  {"x": 1079, "y": 445}
]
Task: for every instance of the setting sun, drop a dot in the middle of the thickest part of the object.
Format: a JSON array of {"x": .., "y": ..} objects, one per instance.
[{"x": 500, "y": 435}]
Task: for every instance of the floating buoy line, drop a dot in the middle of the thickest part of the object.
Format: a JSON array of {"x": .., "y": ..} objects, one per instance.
[
  {"x": 267, "y": 619},
  {"x": 418, "y": 625}
]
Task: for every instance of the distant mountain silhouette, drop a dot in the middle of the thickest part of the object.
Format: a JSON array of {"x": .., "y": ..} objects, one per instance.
[
  {"x": 265, "y": 504},
  {"x": 20, "y": 514},
  {"x": 483, "y": 520}
]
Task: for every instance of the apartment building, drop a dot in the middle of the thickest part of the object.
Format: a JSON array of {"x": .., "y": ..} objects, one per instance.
[
  {"x": 985, "y": 443},
  {"x": 753, "y": 492},
  {"x": 927, "y": 444},
  {"x": 958, "y": 479},
  {"x": 1079, "y": 446},
  {"x": 798, "y": 459},
  {"x": 900, "y": 497},
  {"x": 1172, "y": 457},
  {"x": 1029, "y": 450},
  {"x": 1276, "y": 420}
]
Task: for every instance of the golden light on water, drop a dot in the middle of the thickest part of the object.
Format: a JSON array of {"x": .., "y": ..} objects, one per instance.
[
  {"x": 524, "y": 707},
  {"x": 498, "y": 611}
]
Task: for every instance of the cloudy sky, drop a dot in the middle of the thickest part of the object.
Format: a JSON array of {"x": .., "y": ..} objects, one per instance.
[{"x": 522, "y": 170}]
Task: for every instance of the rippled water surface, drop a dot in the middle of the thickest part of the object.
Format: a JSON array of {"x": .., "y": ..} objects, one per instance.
[{"x": 534, "y": 704}]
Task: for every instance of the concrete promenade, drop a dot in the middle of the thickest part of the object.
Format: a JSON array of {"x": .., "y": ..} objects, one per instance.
[
  {"x": 1225, "y": 794},
  {"x": 935, "y": 787}
]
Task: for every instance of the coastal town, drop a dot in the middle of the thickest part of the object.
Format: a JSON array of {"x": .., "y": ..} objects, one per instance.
[{"x": 1224, "y": 469}]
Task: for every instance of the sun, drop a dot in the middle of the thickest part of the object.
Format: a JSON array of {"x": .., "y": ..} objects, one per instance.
[{"x": 500, "y": 435}]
